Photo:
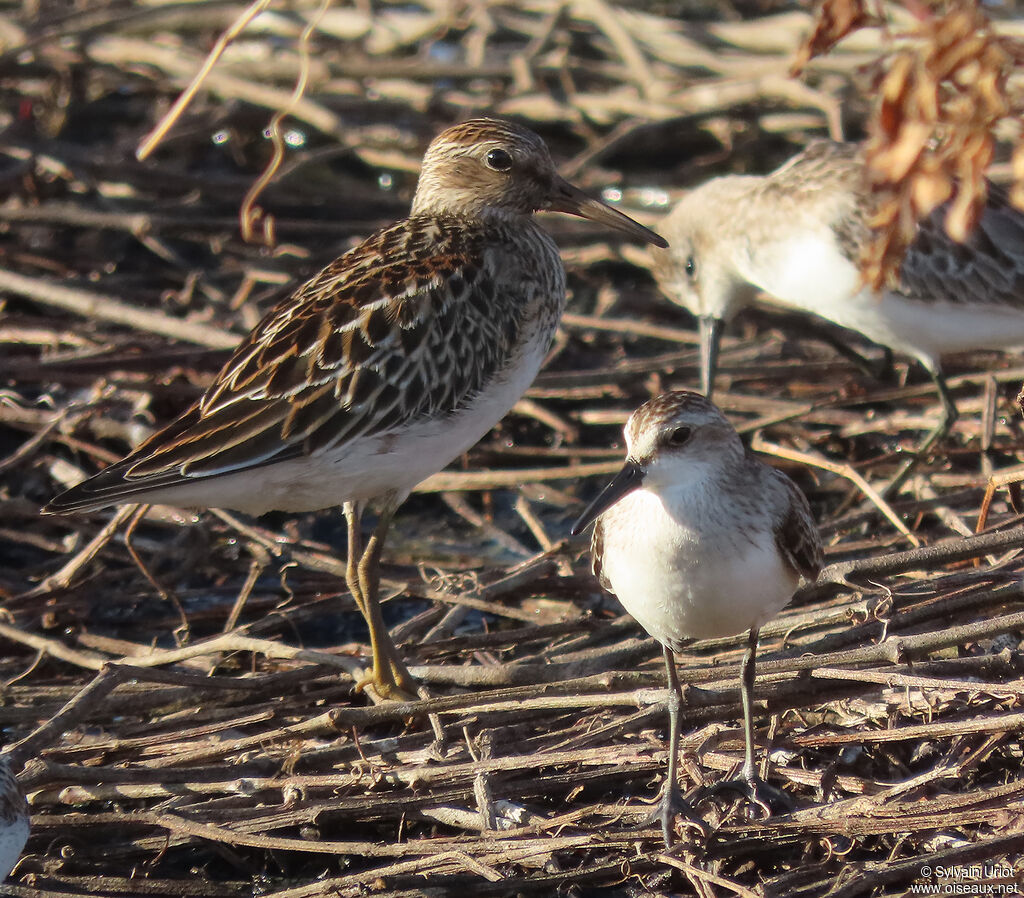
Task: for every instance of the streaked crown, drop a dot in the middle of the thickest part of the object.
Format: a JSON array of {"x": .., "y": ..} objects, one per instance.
[
  {"x": 485, "y": 164},
  {"x": 680, "y": 422}
]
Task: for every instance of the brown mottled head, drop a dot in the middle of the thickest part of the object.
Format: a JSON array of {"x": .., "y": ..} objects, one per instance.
[
  {"x": 676, "y": 423},
  {"x": 670, "y": 440},
  {"x": 487, "y": 166}
]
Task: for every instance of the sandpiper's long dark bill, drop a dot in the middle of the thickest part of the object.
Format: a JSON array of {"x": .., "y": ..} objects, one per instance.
[
  {"x": 798, "y": 233},
  {"x": 699, "y": 539},
  {"x": 385, "y": 366},
  {"x": 570, "y": 199}
]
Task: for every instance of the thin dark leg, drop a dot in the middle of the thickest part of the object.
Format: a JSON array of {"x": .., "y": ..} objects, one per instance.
[
  {"x": 949, "y": 411},
  {"x": 672, "y": 803},
  {"x": 949, "y": 416},
  {"x": 769, "y": 799},
  {"x": 747, "y": 695},
  {"x": 671, "y": 796},
  {"x": 802, "y": 323},
  {"x": 181, "y": 633},
  {"x": 887, "y": 369},
  {"x": 877, "y": 369}
]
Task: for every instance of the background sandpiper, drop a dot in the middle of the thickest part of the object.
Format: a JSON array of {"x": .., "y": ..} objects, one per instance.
[
  {"x": 798, "y": 234},
  {"x": 14, "y": 819},
  {"x": 699, "y": 539},
  {"x": 385, "y": 366}
]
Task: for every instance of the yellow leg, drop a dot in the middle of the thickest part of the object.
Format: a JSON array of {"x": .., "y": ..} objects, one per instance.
[
  {"x": 355, "y": 553},
  {"x": 389, "y": 676}
]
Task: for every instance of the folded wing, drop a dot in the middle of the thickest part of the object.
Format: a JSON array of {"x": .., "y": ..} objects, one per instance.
[{"x": 401, "y": 327}]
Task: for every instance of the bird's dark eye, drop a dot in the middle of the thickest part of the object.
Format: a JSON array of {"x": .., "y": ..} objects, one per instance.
[
  {"x": 679, "y": 436},
  {"x": 499, "y": 160},
  {"x": 691, "y": 267}
]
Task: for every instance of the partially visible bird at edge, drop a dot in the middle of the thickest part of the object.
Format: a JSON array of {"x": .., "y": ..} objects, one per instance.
[
  {"x": 700, "y": 539},
  {"x": 14, "y": 818},
  {"x": 385, "y": 366},
  {"x": 798, "y": 234}
]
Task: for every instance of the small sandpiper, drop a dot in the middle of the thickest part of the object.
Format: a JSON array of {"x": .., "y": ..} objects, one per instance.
[
  {"x": 699, "y": 540},
  {"x": 797, "y": 234},
  {"x": 14, "y": 820},
  {"x": 384, "y": 367}
]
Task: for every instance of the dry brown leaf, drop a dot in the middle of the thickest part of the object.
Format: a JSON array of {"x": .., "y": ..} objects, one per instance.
[
  {"x": 931, "y": 190},
  {"x": 930, "y": 138},
  {"x": 835, "y": 19},
  {"x": 1017, "y": 192}
]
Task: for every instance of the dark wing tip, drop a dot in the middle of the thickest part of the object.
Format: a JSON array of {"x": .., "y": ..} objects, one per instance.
[
  {"x": 68, "y": 502},
  {"x": 797, "y": 534},
  {"x": 103, "y": 489},
  {"x": 110, "y": 487}
]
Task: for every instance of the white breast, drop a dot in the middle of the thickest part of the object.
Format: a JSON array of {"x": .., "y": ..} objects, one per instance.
[
  {"x": 684, "y": 580},
  {"x": 929, "y": 330},
  {"x": 806, "y": 271},
  {"x": 810, "y": 273}
]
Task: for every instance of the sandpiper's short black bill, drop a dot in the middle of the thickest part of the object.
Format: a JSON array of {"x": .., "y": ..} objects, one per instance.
[
  {"x": 710, "y": 337},
  {"x": 627, "y": 480}
]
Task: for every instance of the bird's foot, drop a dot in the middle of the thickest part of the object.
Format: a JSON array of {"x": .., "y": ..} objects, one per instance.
[
  {"x": 761, "y": 797},
  {"x": 672, "y": 804},
  {"x": 390, "y": 681}
]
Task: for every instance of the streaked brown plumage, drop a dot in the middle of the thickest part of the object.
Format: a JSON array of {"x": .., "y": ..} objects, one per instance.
[
  {"x": 386, "y": 365},
  {"x": 404, "y": 326}
]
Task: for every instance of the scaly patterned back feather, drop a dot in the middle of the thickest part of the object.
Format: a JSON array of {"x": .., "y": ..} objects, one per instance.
[{"x": 411, "y": 323}]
